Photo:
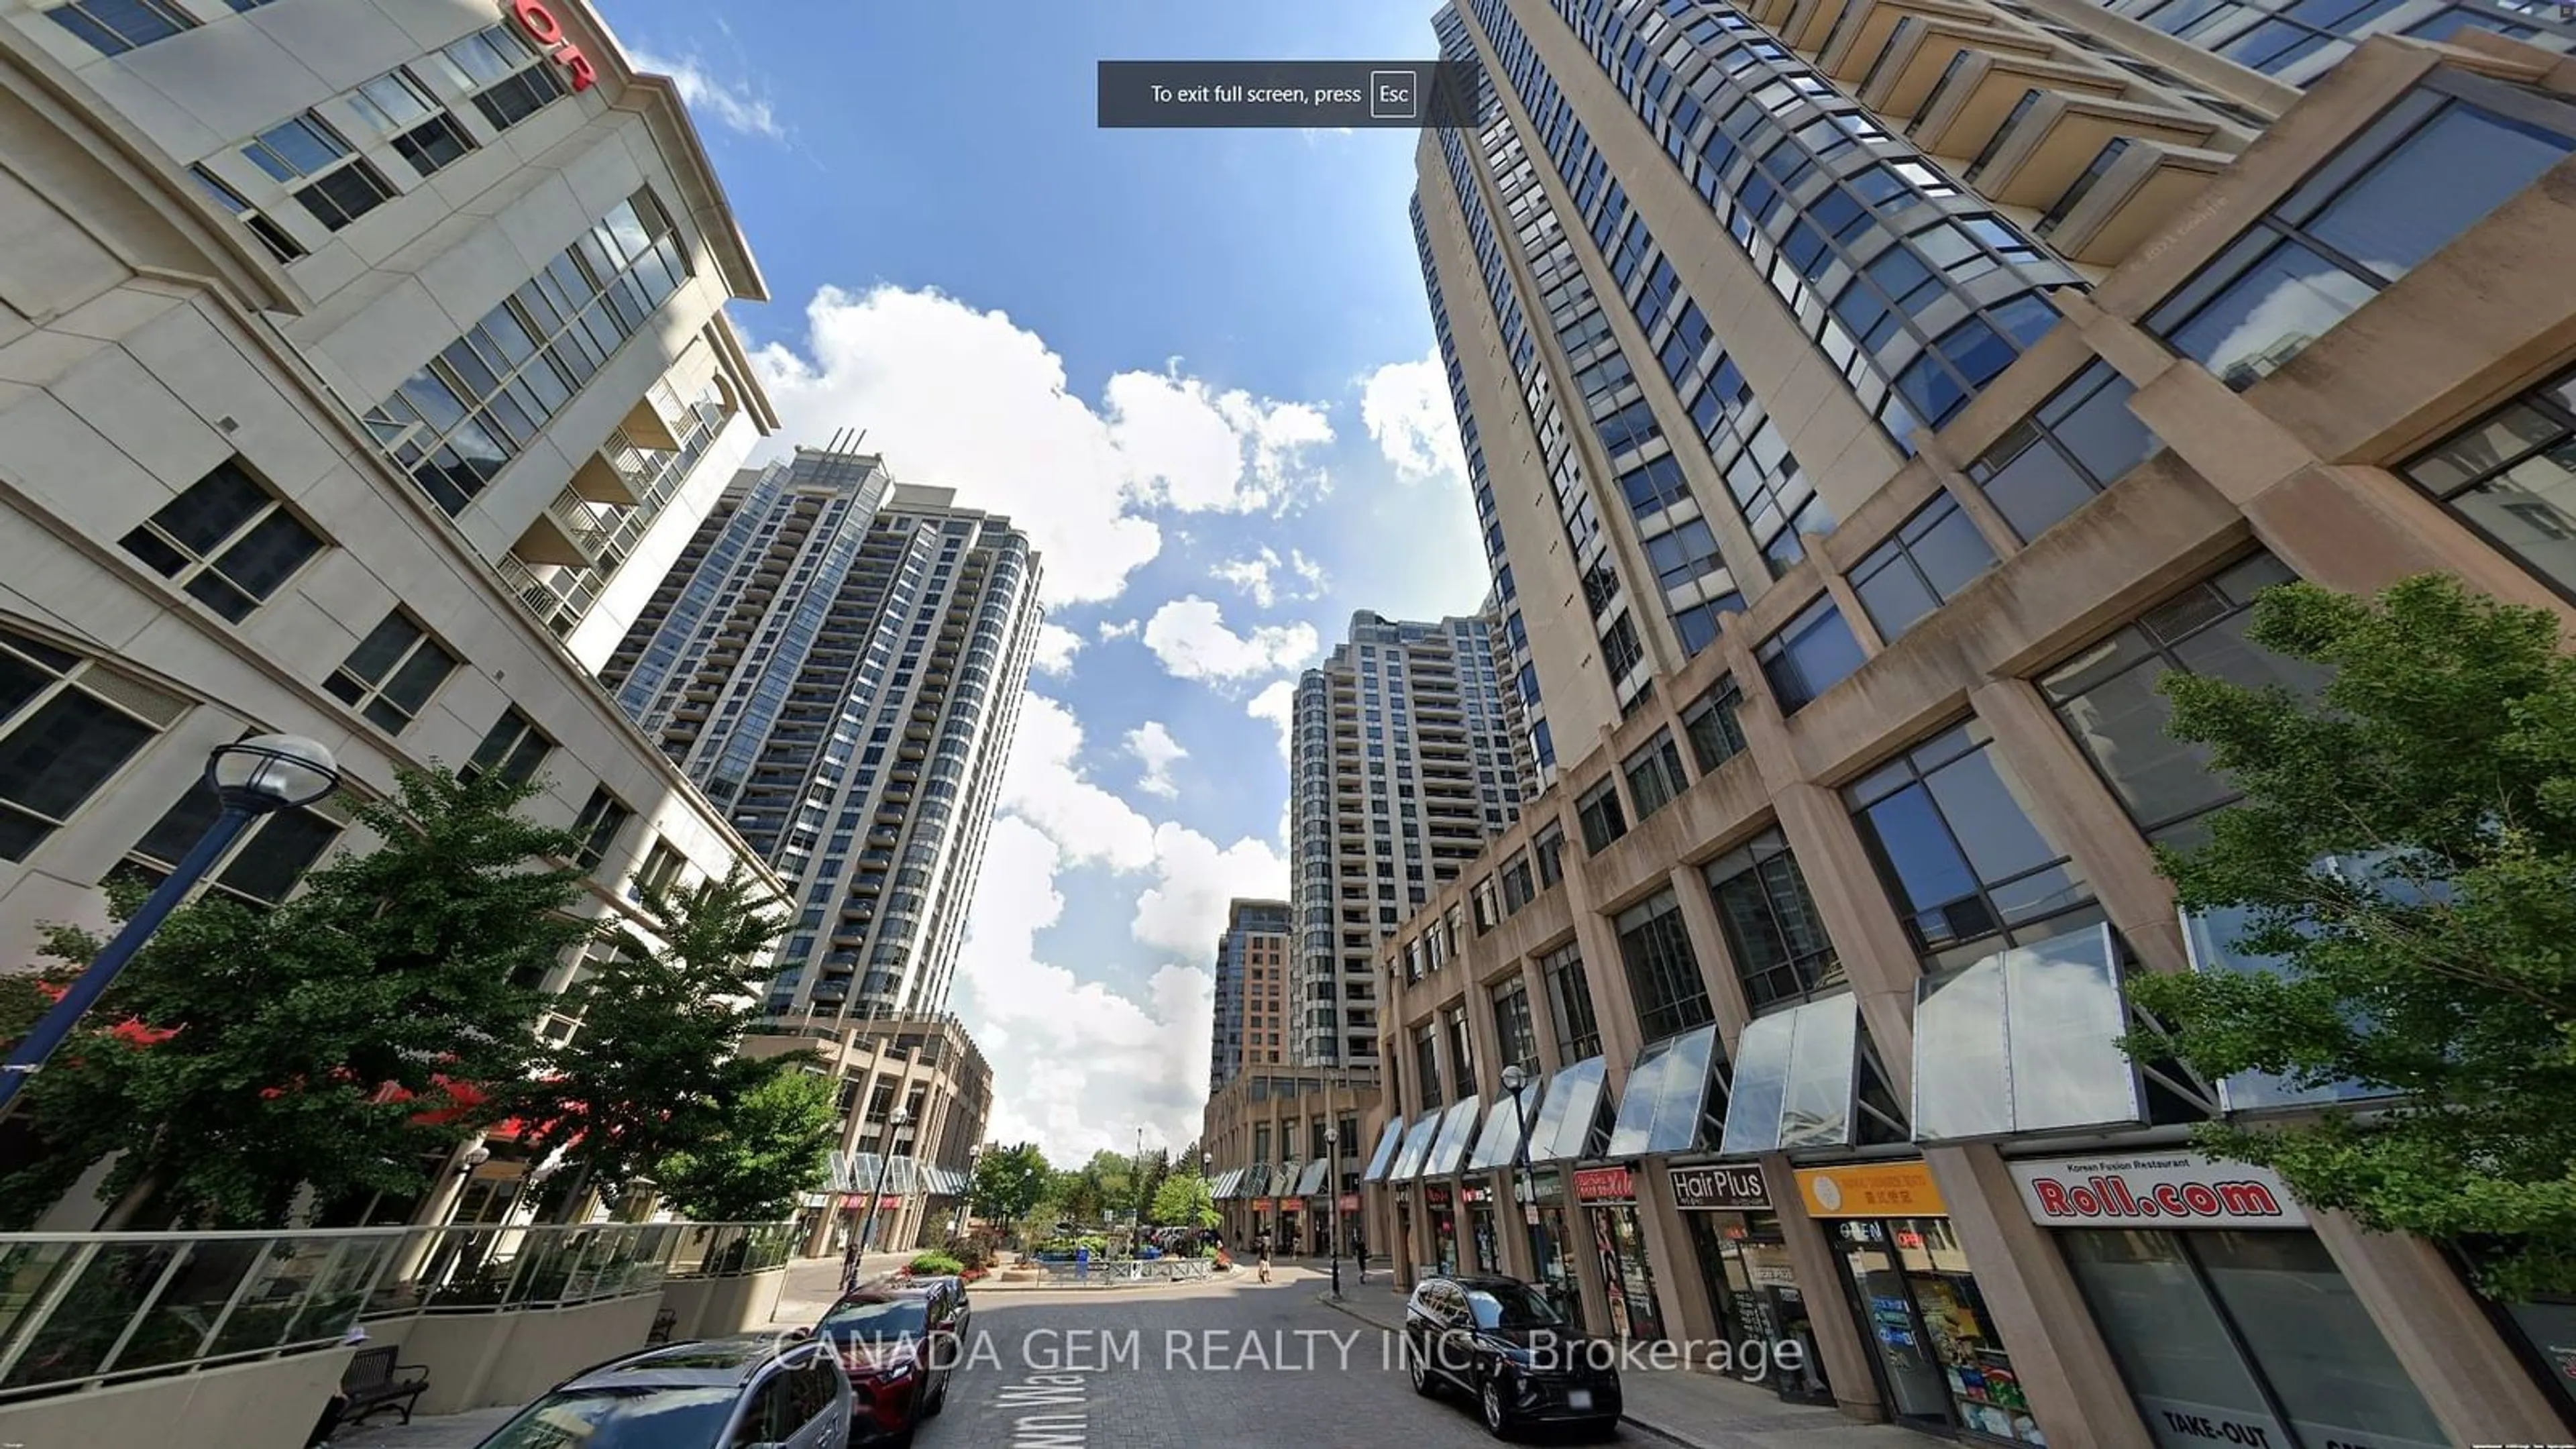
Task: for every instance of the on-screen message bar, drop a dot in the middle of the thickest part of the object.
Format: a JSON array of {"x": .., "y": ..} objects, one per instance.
[{"x": 1396, "y": 94}]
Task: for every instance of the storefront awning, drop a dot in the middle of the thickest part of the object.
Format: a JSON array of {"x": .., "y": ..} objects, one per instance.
[
  {"x": 1256, "y": 1180},
  {"x": 1666, "y": 1107},
  {"x": 1313, "y": 1180},
  {"x": 1417, "y": 1146},
  {"x": 1388, "y": 1143},
  {"x": 1499, "y": 1145},
  {"x": 2210, "y": 937},
  {"x": 1797, "y": 1075},
  {"x": 2024, "y": 1040},
  {"x": 1569, "y": 1119},
  {"x": 1223, "y": 1189},
  {"x": 1457, "y": 1134},
  {"x": 844, "y": 1177}
]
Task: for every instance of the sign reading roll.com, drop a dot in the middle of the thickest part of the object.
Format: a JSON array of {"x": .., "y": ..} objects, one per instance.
[{"x": 2154, "y": 1190}]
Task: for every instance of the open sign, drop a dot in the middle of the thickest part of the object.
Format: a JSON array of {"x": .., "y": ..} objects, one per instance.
[{"x": 548, "y": 32}]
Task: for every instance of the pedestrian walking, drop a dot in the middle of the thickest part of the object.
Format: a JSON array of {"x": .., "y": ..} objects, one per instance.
[
  {"x": 1261, "y": 1245},
  {"x": 1359, "y": 1251}
]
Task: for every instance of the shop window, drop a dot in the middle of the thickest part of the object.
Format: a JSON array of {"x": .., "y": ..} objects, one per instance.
[
  {"x": 2509, "y": 477},
  {"x": 261, "y": 868},
  {"x": 1929, "y": 558},
  {"x": 1569, "y": 1004},
  {"x": 1716, "y": 734},
  {"x": 1772, "y": 930},
  {"x": 2429, "y": 169},
  {"x": 1962, "y": 863},
  {"x": 1655, "y": 775},
  {"x": 2108, "y": 701},
  {"x": 1663, "y": 973},
  {"x": 227, "y": 540},
  {"x": 1810, "y": 654},
  {"x": 2077, "y": 443},
  {"x": 66, "y": 727},
  {"x": 514, "y": 748},
  {"x": 1602, "y": 820},
  {"x": 392, "y": 673},
  {"x": 2313, "y": 1343}
]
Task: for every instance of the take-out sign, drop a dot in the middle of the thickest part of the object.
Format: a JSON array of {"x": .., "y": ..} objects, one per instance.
[{"x": 548, "y": 32}]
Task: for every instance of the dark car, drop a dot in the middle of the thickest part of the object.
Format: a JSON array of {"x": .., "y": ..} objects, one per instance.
[
  {"x": 785, "y": 1392},
  {"x": 1504, "y": 1342},
  {"x": 898, "y": 1343}
]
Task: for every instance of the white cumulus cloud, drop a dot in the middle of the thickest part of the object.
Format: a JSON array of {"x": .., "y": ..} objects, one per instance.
[
  {"x": 734, "y": 107},
  {"x": 1109, "y": 631},
  {"x": 1407, "y": 410},
  {"x": 1260, "y": 575},
  {"x": 1276, "y": 703},
  {"x": 1045, "y": 784},
  {"x": 1190, "y": 637},
  {"x": 1184, "y": 910},
  {"x": 1056, "y": 647},
  {"x": 1153, "y": 747}
]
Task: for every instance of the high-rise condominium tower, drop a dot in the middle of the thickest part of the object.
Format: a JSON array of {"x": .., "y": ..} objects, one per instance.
[
  {"x": 837, "y": 659},
  {"x": 1867, "y": 402},
  {"x": 1401, "y": 765},
  {"x": 1251, "y": 1026}
]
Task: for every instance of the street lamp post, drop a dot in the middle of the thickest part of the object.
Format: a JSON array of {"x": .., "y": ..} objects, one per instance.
[
  {"x": 1514, "y": 1079},
  {"x": 1333, "y": 1185},
  {"x": 966, "y": 1199},
  {"x": 896, "y": 1122},
  {"x": 255, "y": 777}
]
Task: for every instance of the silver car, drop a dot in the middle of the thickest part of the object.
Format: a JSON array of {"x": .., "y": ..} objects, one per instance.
[{"x": 756, "y": 1391}]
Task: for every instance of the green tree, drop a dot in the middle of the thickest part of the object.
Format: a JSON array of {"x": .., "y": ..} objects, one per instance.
[
  {"x": 1150, "y": 1176},
  {"x": 1010, "y": 1182},
  {"x": 245, "y": 1054},
  {"x": 1183, "y": 1202},
  {"x": 654, "y": 1068},
  {"x": 771, "y": 1144},
  {"x": 2442, "y": 752}
]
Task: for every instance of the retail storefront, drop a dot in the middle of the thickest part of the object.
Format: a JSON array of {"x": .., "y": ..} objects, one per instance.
[
  {"x": 1743, "y": 1257},
  {"x": 1315, "y": 1210},
  {"x": 1939, "y": 1360},
  {"x": 1498, "y": 1148},
  {"x": 1609, "y": 1199},
  {"x": 2228, "y": 1318},
  {"x": 1573, "y": 1124},
  {"x": 1552, "y": 1246}
]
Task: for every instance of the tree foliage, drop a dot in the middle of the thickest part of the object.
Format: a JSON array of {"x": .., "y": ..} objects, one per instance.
[
  {"x": 2441, "y": 753},
  {"x": 1183, "y": 1201},
  {"x": 769, "y": 1145},
  {"x": 1010, "y": 1182},
  {"x": 413, "y": 962},
  {"x": 653, "y": 1070}
]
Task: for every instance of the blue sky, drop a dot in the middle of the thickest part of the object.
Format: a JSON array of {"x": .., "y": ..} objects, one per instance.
[{"x": 1196, "y": 365}]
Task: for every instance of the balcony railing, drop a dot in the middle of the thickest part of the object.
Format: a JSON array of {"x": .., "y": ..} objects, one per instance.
[{"x": 87, "y": 1309}]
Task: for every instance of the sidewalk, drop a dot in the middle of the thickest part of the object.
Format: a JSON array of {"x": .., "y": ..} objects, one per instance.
[{"x": 1696, "y": 1408}]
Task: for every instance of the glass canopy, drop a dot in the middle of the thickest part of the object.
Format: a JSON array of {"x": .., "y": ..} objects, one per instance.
[
  {"x": 1506, "y": 1128},
  {"x": 1417, "y": 1146},
  {"x": 2024, "y": 1040},
  {"x": 1569, "y": 1121},
  {"x": 1796, "y": 1078},
  {"x": 1457, "y": 1131},
  {"x": 1665, "y": 1108},
  {"x": 1384, "y": 1158},
  {"x": 1313, "y": 1181}
]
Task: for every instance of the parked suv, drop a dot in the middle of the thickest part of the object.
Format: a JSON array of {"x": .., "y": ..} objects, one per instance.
[
  {"x": 1504, "y": 1342},
  {"x": 786, "y": 1392}
]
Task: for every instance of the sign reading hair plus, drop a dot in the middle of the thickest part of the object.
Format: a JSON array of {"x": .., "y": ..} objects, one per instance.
[
  {"x": 2158, "y": 1190},
  {"x": 548, "y": 32}
]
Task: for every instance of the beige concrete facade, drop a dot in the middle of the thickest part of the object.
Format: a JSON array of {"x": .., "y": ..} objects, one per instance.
[
  {"x": 1262, "y": 1136},
  {"x": 2303, "y": 460},
  {"x": 927, "y": 1068},
  {"x": 176, "y": 399}
]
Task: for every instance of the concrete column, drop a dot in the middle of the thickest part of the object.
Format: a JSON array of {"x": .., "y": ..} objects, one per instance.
[
  {"x": 2074, "y": 1387},
  {"x": 1587, "y": 1262},
  {"x": 2057, "y": 787},
  {"x": 1877, "y": 956},
  {"x": 2441, "y": 1332},
  {"x": 1847, "y": 1356},
  {"x": 1681, "y": 1293},
  {"x": 1512, "y": 1221}
]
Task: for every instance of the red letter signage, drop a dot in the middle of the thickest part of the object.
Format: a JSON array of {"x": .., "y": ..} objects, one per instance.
[{"x": 548, "y": 32}]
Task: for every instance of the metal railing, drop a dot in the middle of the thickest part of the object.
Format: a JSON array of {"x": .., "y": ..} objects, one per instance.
[{"x": 79, "y": 1309}]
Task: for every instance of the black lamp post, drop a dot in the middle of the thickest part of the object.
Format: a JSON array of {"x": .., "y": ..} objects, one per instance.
[
  {"x": 1514, "y": 1080},
  {"x": 255, "y": 777},
  {"x": 895, "y": 1124}
]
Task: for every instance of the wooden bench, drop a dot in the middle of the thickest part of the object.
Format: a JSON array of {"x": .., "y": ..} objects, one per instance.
[{"x": 374, "y": 1381}]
